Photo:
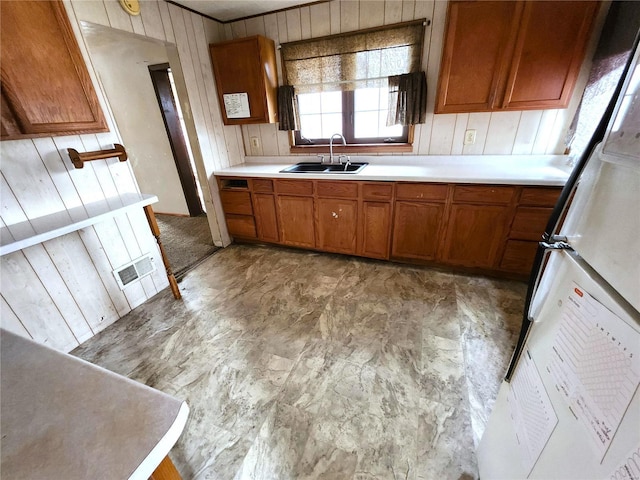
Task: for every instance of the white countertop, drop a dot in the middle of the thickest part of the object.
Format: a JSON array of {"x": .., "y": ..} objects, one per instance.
[
  {"x": 64, "y": 418},
  {"x": 551, "y": 170}
]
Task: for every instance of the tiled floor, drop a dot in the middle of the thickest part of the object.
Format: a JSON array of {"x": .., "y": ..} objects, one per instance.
[{"x": 304, "y": 365}]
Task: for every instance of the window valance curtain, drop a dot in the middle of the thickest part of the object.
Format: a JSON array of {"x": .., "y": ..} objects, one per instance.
[{"x": 353, "y": 60}]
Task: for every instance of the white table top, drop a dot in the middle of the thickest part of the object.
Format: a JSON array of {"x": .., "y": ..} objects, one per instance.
[
  {"x": 64, "y": 418},
  {"x": 551, "y": 170}
]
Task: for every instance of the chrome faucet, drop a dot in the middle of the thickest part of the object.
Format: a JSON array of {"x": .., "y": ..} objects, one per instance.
[{"x": 344, "y": 142}]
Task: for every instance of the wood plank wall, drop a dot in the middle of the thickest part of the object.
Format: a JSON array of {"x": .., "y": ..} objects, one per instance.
[
  {"x": 62, "y": 291},
  {"x": 518, "y": 132}
]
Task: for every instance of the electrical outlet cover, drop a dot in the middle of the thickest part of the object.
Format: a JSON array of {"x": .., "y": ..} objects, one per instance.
[{"x": 469, "y": 137}]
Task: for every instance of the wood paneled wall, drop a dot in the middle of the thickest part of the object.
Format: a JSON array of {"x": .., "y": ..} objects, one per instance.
[
  {"x": 521, "y": 133},
  {"x": 62, "y": 291}
]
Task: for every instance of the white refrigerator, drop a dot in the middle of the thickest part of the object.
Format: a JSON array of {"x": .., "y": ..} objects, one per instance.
[{"x": 569, "y": 407}]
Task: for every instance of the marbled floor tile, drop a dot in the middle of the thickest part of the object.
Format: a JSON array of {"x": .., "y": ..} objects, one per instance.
[
  {"x": 236, "y": 400},
  {"x": 278, "y": 446},
  {"x": 490, "y": 314},
  {"x": 315, "y": 366},
  {"x": 207, "y": 452},
  {"x": 322, "y": 460},
  {"x": 443, "y": 378},
  {"x": 441, "y": 315},
  {"x": 445, "y": 446},
  {"x": 377, "y": 306}
]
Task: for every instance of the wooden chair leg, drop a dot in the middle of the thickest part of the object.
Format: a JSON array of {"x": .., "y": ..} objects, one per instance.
[
  {"x": 166, "y": 471},
  {"x": 155, "y": 230}
]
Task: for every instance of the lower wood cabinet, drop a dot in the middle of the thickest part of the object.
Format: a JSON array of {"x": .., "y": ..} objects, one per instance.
[
  {"x": 518, "y": 256},
  {"x": 490, "y": 228},
  {"x": 416, "y": 230},
  {"x": 337, "y": 225},
  {"x": 475, "y": 235},
  {"x": 376, "y": 229},
  {"x": 297, "y": 226},
  {"x": 264, "y": 206},
  {"x": 236, "y": 202}
]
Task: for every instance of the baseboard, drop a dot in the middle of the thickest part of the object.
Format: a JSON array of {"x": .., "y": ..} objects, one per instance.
[{"x": 172, "y": 214}]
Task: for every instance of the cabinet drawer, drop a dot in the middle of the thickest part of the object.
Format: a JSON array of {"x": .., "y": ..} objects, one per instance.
[
  {"x": 519, "y": 256},
  {"x": 489, "y": 194},
  {"x": 230, "y": 183},
  {"x": 295, "y": 187},
  {"x": 529, "y": 223},
  {"x": 539, "y": 197},
  {"x": 238, "y": 203},
  {"x": 421, "y": 191},
  {"x": 262, "y": 185},
  {"x": 337, "y": 189},
  {"x": 377, "y": 191},
  {"x": 241, "y": 225}
]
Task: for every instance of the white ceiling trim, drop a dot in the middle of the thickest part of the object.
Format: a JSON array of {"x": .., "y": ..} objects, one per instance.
[{"x": 230, "y": 10}]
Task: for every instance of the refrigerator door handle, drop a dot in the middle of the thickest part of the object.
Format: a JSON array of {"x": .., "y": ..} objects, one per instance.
[{"x": 556, "y": 245}]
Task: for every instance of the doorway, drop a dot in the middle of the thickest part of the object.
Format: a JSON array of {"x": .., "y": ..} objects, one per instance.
[
  {"x": 163, "y": 85},
  {"x": 154, "y": 135}
]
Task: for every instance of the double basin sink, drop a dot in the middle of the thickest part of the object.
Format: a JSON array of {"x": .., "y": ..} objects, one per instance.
[{"x": 314, "y": 167}]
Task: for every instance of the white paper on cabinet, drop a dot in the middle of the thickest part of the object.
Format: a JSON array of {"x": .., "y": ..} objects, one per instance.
[{"x": 236, "y": 105}]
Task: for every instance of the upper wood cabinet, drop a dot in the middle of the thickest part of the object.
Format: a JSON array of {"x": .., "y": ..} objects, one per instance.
[
  {"x": 46, "y": 88},
  {"x": 508, "y": 55},
  {"x": 247, "y": 66}
]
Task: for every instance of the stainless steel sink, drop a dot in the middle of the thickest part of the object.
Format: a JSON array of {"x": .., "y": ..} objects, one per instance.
[{"x": 311, "y": 167}]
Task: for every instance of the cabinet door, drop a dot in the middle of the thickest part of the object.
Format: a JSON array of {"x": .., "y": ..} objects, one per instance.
[
  {"x": 416, "y": 230},
  {"x": 376, "y": 226},
  {"x": 44, "y": 78},
  {"x": 475, "y": 55},
  {"x": 475, "y": 234},
  {"x": 529, "y": 223},
  {"x": 518, "y": 256},
  {"x": 265, "y": 213},
  {"x": 548, "y": 54},
  {"x": 243, "y": 226},
  {"x": 247, "y": 66},
  {"x": 295, "y": 215},
  {"x": 337, "y": 225}
]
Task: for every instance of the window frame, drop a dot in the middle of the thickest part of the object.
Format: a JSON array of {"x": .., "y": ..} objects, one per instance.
[
  {"x": 363, "y": 145},
  {"x": 348, "y": 128}
]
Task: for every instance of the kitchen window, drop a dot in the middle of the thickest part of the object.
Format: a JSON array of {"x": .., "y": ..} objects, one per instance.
[{"x": 341, "y": 83}]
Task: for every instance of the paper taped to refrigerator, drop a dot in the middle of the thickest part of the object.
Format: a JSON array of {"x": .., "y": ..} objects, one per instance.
[
  {"x": 531, "y": 411},
  {"x": 595, "y": 363},
  {"x": 629, "y": 468}
]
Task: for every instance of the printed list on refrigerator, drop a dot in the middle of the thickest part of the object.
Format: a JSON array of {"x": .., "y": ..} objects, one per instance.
[{"x": 595, "y": 363}]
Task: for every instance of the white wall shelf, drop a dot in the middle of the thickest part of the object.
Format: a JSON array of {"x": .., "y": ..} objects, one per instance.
[{"x": 37, "y": 230}]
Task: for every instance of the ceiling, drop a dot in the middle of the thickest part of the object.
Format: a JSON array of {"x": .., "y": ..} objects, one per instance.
[{"x": 228, "y": 10}]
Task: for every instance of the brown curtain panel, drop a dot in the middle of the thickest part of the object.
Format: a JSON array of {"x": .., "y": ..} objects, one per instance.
[
  {"x": 353, "y": 60},
  {"x": 407, "y": 99},
  {"x": 288, "y": 117}
]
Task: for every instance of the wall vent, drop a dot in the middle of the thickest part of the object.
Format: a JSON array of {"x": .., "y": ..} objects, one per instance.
[{"x": 135, "y": 270}]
